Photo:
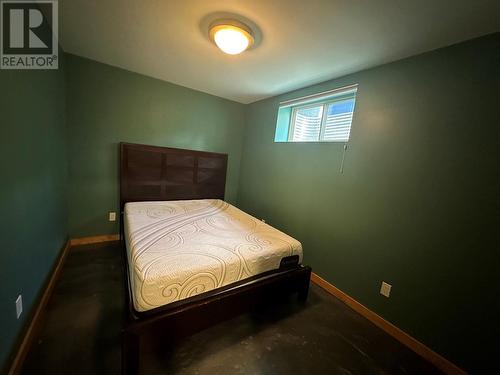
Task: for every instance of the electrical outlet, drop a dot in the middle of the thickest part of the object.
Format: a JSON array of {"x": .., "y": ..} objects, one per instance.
[
  {"x": 112, "y": 216},
  {"x": 19, "y": 306},
  {"x": 385, "y": 289}
]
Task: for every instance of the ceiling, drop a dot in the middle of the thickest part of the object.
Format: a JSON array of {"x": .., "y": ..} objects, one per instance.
[{"x": 301, "y": 42}]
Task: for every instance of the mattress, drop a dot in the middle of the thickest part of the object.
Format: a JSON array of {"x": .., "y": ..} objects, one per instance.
[{"x": 178, "y": 249}]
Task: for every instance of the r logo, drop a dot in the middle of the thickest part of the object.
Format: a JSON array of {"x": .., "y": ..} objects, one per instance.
[
  {"x": 25, "y": 29},
  {"x": 29, "y": 34}
]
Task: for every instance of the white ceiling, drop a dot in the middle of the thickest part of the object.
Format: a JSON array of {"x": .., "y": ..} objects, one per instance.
[{"x": 303, "y": 41}]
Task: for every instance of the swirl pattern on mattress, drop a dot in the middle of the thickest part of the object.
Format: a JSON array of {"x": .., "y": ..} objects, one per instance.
[{"x": 178, "y": 249}]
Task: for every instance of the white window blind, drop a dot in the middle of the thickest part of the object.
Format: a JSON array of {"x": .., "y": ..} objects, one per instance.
[
  {"x": 324, "y": 117},
  {"x": 307, "y": 124},
  {"x": 338, "y": 120}
]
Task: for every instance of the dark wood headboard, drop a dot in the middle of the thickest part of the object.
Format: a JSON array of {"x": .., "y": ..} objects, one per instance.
[{"x": 151, "y": 173}]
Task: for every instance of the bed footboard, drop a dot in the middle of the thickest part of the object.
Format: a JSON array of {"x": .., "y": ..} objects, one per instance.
[{"x": 208, "y": 309}]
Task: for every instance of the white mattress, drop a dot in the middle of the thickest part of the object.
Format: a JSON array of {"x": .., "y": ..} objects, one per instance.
[{"x": 178, "y": 249}]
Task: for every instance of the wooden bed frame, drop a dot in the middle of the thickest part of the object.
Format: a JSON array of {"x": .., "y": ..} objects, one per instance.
[{"x": 151, "y": 173}]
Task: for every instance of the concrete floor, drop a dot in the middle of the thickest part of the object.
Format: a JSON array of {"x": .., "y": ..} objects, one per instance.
[{"x": 81, "y": 333}]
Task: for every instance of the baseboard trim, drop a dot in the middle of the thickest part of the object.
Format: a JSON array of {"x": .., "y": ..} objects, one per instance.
[
  {"x": 34, "y": 323},
  {"x": 437, "y": 360},
  {"x": 94, "y": 239}
]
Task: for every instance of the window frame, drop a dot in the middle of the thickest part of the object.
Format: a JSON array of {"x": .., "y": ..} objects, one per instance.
[{"x": 324, "y": 115}]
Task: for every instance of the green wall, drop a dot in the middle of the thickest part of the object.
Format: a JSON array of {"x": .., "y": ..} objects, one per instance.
[
  {"x": 107, "y": 105},
  {"x": 417, "y": 204},
  {"x": 32, "y": 190}
]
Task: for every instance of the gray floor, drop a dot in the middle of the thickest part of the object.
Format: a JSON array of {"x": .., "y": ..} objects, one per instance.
[{"x": 80, "y": 334}]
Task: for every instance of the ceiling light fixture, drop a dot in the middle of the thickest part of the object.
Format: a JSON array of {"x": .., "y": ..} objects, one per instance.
[{"x": 231, "y": 36}]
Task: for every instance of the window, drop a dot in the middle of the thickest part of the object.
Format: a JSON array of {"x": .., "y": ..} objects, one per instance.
[{"x": 324, "y": 117}]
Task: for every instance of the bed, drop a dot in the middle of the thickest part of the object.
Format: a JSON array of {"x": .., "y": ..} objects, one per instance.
[{"x": 191, "y": 259}]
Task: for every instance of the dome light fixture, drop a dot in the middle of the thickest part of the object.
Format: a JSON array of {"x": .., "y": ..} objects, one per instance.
[{"x": 231, "y": 36}]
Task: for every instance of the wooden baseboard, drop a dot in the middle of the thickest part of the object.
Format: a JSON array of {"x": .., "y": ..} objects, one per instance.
[
  {"x": 34, "y": 323},
  {"x": 94, "y": 239},
  {"x": 437, "y": 360}
]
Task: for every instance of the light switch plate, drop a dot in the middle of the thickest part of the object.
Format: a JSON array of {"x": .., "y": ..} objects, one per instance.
[
  {"x": 385, "y": 289},
  {"x": 112, "y": 216},
  {"x": 19, "y": 306}
]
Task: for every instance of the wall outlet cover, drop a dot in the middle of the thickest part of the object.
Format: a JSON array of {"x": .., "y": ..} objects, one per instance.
[
  {"x": 385, "y": 289},
  {"x": 112, "y": 216},
  {"x": 19, "y": 306}
]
